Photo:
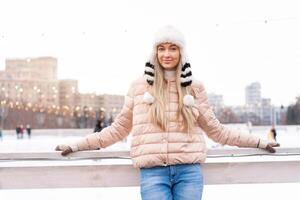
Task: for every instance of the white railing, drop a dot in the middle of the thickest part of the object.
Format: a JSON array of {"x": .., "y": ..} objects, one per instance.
[{"x": 224, "y": 166}]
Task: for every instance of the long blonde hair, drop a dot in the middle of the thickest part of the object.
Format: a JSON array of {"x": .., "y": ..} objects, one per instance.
[{"x": 159, "y": 89}]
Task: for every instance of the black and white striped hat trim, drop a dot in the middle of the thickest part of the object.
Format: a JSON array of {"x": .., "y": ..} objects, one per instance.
[
  {"x": 185, "y": 77},
  {"x": 149, "y": 73}
]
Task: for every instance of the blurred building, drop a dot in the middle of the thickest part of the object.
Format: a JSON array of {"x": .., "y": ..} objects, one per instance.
[
  {"x": 68, "y": 90},
  {"x": 40, "y": 93},
  {"x": 41, "y": 68},
  {"x": 240, "y": 112},
  {"x": 216, "y": 101},
  {"x": 266, "y": 111},
  {"x": 253, "y": 94},
  {"x": 253, "y": 103},
  {"x": 90, "y": 100},
  {"x": 30, "y": 81},
  {"x": 112, "y": 104},
  {"x": 32, "y": 84}
]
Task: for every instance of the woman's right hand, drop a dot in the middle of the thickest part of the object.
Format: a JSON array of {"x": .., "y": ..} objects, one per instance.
[{"x": 64, "y": 148}]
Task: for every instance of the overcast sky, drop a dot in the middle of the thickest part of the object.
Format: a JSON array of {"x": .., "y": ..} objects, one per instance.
[{"x": 104, "y": 44}]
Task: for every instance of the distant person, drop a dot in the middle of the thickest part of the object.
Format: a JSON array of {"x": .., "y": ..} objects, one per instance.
[
  {"x": 98, "y": 126},
  {"x": 21, "y": 131},
  {"x": 272, "y": 134},
  {"x": 168, "y": 114},
  {"x": 100, "y": 123},
  {"x": 18, "y": 132},
  {"x": 28, "y": 130},
  {"x": 1, "y": 137},
  {"x": 249, "y": 125}
]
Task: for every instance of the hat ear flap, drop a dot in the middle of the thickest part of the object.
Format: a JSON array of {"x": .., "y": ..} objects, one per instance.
[
  {"x": 149, "y": 73},
  {"x": 186, "y": 75}
]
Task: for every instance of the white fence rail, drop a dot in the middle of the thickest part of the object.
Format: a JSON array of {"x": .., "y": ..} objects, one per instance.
[{"x": 51, "y": 170}]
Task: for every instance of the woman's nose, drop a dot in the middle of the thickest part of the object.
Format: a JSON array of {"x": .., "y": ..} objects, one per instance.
[{"x": 166, "y": 53}]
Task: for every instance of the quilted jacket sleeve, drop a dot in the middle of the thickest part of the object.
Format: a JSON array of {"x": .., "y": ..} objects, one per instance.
[
  {"x": 118, "y": 130},
  {"x": 212, "y": 126}
]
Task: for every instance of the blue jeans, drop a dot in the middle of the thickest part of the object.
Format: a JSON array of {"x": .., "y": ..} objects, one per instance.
[{"x": 175, "y": 182}]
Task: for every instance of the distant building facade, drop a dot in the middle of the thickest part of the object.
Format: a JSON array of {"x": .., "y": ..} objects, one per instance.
[
  {"x": 31, "y": 84},
  {"x": 112, "y": 104},
  {"x": 41, "y": 68},
  {"x": 216, "y": 101},
  {"x": 253, "y": 94},
  {"x": 35, "y": 80},
  {"x": 267, "y": 114},
  {"x": 31, "y": 81},
  {"x": 68, "y": 89}
]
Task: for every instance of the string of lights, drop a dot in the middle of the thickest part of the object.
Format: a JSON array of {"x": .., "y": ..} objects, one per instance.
[{"x": 221, "y": 24}]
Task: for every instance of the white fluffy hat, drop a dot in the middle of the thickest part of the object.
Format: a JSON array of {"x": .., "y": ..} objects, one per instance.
[{"x": 169, "y": 34}]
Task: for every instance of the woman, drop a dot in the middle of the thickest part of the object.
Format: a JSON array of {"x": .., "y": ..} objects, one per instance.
[{"x": 167, "y": 113}]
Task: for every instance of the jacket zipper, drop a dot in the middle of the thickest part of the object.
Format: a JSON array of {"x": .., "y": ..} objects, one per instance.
[{"x": 168, "y": 121}]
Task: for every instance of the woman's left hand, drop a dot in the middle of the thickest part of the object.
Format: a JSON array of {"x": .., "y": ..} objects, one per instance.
[
  {"x": 268, "y": 145},
  {"x": 64, "y": 148}
]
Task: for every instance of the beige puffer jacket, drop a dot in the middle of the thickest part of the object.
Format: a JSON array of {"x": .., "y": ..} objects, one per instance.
[{"x": 150, "y": 145}]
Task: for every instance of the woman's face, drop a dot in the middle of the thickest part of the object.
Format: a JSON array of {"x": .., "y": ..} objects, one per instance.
[{"x": 168, "y": 55}]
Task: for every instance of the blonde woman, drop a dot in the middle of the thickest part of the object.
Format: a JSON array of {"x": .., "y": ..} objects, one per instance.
[{"x": 167, "y": 112}]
